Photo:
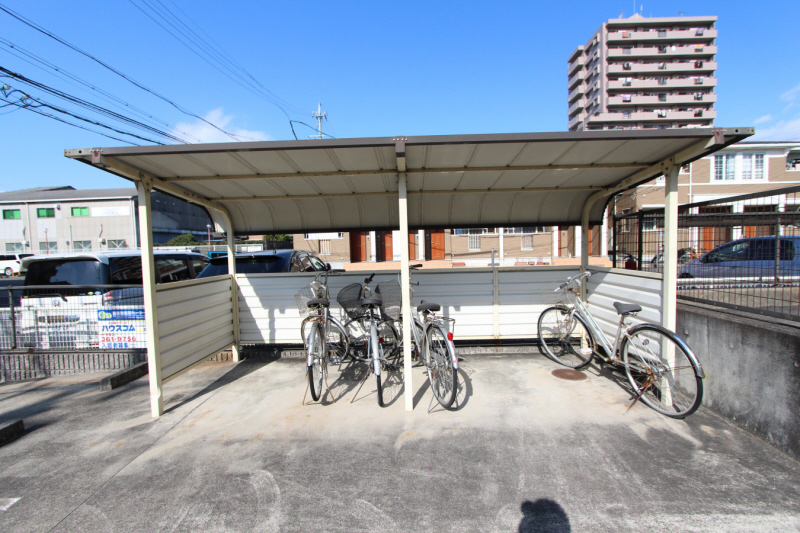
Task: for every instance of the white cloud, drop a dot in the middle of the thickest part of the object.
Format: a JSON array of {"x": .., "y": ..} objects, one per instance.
[
  {"x": 765, "y": 118},
  {"x": 785, "y": 130},
  {"x": 209, "y": 134},
  {"x": 791, "y": 94}
]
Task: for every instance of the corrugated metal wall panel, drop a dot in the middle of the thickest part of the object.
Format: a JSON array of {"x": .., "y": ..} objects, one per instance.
[
  {"x": 523, "y": 295},
  {"x": 606, "y": 287},
  {"x": 195, "y": 321}
]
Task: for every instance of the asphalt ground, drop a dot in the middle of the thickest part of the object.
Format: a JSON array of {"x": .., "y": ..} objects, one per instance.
[{"x": 238, "y": 450}]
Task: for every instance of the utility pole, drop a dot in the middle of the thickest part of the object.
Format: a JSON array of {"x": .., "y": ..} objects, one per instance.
[{"x": 319, "y": 115}]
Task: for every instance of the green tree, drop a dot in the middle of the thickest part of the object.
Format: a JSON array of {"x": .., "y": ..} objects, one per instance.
[{"x": 187, "y": 239}]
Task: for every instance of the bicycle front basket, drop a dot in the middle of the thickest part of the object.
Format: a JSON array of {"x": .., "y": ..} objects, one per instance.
[
  {"x": 390, "y": 293},
  {"x": 302, "y": 297},
  {"x": 349, "y": 299}
]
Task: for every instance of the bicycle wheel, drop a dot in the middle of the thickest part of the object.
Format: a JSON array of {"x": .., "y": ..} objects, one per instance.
[
  {"x": 338, "y": 345},
  {"x": 441, "y": 372},
  {"x": 565, "y": 338},
  {"x": 338, "y": 340},
  {"x": 662, "y": 369},
  {"x": 388, "y": 338},
  {"x": 315, "y": 362}
]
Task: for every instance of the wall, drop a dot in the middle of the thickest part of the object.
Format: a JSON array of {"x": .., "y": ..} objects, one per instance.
[
  {"x": 501, "y": 303},
  {"x": 752, "y": 367},
  {"x": 195, "y": 320}
]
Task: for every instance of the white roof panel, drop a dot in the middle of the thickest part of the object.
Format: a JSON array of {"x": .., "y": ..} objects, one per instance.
[{"x": 525, "y": 179}]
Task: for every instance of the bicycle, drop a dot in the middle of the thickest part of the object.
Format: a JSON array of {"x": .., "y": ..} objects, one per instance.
[
  {"x": 376, "y": 356},
  {"x": 432, "y": 340},
  {"x": 314, "y": 303},
  {"x": 662, "y": 369},
  {"x": 357, "y": 327}
]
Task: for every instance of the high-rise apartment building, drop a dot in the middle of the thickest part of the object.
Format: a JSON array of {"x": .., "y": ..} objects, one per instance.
[{"x": 639, "y": 73}]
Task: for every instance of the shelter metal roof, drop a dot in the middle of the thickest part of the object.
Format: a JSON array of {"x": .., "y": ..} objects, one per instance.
[{"x": 520, "y": 179}]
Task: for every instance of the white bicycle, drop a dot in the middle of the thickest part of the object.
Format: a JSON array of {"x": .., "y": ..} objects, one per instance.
[{"x": 661, "y": 368}]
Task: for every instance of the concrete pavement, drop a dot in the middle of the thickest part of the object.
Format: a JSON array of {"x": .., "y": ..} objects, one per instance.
[{"x": 238, "y": 451}]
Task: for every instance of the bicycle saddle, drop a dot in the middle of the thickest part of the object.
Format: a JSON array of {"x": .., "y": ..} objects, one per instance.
[
  {"x": 427, "y": 306},
  {"x": 624, "y": 309},
  {"x": 371, "y": 302},
  {"x": 319, "y": 302}
]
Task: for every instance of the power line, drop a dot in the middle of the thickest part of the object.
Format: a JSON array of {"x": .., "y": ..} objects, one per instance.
[
  {"x": 33, "y": 109},
  {"x": 92, "y": 107},
  {"x": 18, "y": 52},
  {"x": 42, "y": 30},
  {"x": 210, "y": 54}
]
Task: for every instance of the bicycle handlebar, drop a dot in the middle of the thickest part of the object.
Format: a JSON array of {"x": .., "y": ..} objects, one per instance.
[
  {"x": 573, "y": 279},
  {"x": 369, "y": 279}
]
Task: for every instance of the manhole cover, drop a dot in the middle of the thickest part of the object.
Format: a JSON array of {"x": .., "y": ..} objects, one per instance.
[{"x": 569, "y": 374}]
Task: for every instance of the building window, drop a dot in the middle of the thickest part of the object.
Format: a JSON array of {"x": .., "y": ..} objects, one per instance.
[
  {"x": 48, "y": 247},
  {"x": 526, "y": 229},
  {"x": 626, "y": 51},
  {"x": 662, "y": 97},
  {"x": 739, "y": 167},
  {"x": 662, "y": 81},
  {"x": 626, "y": 114},
  {"x": 685, "y": 169},
  {"x": 11, "y": 214},
  {"x": 698, "y": 81},
  {"x": 324, "y": 247},
  {"x": 626, "y": 82},
  {"x": 626, "y": 97},
  {"x": 80, "y": 211},
  {"x": 662, "y": 33},
  {"x": 527, "y": 242},
  {"x": 117, "y": 244},
  {"x": 662, "y": 49},
  {"x": 46, "y": 212},
  {"x": 474, "y": 244},
  {"x": 82, "y": 246},
  {"x": 15, "y": 247}
]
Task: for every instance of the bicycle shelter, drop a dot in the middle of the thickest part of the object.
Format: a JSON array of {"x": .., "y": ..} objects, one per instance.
[{"x": 524, "y": 179}]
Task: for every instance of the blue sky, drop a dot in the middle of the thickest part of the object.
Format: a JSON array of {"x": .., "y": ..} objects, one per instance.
[{"x": 378, "y": 68}]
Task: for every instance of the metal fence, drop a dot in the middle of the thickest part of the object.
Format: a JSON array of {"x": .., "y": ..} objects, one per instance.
[
  {"x": 72, "y": 318},
  {"x": 741, "y": 252}
]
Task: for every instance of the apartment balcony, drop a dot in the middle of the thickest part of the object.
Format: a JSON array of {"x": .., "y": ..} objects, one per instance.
[
  {"x": 690, "y": 35},
  {"x": 689, "y": 83},
  {"x": 578, "y": 63},
  {"x": 575, "y": 121},
  {"x": 577, "y": 106},
  {"x": 664, "y": 68},
  {"x": 667, "y": 116},
  {"x": 576, "y": 79},
  {"x": 620, "y": 100},
  {"x": 665, "y": 52},
  {"x": 577, "y": 92}
]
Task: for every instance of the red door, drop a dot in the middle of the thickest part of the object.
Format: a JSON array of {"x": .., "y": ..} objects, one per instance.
[
  {"x": 358, "y": 246},
  {"x": 383, "y": 246},
  {"x": 437, "y": 244},
  {"x": 412, "y": 246}
]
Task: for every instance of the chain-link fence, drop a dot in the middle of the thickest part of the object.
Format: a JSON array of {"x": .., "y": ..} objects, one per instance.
[
  {"x": 72, "y": 318},
  {"x": 741, "y": 252}
]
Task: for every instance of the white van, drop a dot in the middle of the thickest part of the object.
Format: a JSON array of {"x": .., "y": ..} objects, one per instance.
[
  {"x": 72, "y": 302},
  {"x": 11, "y": 264}
]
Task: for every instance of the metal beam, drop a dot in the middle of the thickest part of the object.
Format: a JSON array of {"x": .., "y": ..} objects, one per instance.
[
  {"x": 437, "y": 170},
  {"x": 405, "y": 271},
  {"x": 394, "y": 193}
]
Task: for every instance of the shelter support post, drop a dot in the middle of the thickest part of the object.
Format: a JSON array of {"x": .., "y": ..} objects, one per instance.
[
  {"x": 584, "y": 248},
  {"x": 406, "y": 288},
  {"x": 234, "y": 286},
  {"x": 143, "y": 187},
  {"x": 669, "y": 287}
]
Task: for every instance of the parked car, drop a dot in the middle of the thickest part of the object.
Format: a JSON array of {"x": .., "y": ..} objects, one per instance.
[
  {"x": 11, "y": 264},
  {"x": 267, "y": 262},
  {"x": 74, "y": 308},
  {"x": 746, "y": 258},
  {"x": 684, "y": 256}
]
